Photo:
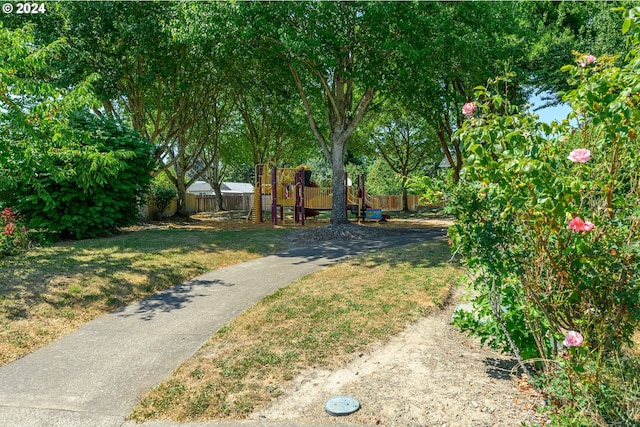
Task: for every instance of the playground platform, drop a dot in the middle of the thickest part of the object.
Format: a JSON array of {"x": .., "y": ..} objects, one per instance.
[{"x": 293, "y": 188}]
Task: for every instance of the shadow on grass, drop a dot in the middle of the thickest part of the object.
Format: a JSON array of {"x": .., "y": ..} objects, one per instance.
[
  {"x": 158, "y": 259},
  {"x": 431, "y": 250},
  {"x": 436, "y": 253}
]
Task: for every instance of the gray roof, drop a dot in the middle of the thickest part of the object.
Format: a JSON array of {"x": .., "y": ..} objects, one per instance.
[
  {"x": 236, "y": 187},
  {"x": 199, "y": 187},
  {"x": 226, "y": 187}
]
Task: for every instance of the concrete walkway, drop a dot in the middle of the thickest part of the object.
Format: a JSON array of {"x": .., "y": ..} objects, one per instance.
[{"x": 96, "y": 375}]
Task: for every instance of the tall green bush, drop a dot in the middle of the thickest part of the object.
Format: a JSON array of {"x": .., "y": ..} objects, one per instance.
[
  {"x": 161, "y": 195},
  {"x": 549, "y": 224},
  {"x": 63, "y": 169},
  {"x": 84, "y": 186}
]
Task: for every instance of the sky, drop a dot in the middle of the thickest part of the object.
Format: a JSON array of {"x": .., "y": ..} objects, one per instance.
[{"x": 549, "y": 114}]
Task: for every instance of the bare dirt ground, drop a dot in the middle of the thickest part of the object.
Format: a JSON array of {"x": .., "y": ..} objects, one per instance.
[{"x": 429, "y": 375}]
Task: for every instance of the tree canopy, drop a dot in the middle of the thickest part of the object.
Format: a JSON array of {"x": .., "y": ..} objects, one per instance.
[
  {"x": 217, "y": 84},
  {"x": 63, "y": 169}
]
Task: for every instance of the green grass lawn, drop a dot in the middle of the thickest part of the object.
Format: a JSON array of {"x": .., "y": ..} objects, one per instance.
[
  {"x": 51, "y": 291},
  {"x": 48, "y": 292},
  {"x": 318, "y": 321}
]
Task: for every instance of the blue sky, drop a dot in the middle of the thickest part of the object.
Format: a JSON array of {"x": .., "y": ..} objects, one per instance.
[{"x": 549, "y": 114}]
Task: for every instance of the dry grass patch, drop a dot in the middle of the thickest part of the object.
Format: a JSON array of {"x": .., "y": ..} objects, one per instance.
[
  {"x": 319, "y": 321},
  {"x": 49, "y": 292}
]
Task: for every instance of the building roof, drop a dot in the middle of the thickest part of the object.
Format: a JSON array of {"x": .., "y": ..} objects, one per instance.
[
  {"x": 200, "y": 187},
  {"x": 226, "y": 187},
  {"x": 236, "y": 187}
]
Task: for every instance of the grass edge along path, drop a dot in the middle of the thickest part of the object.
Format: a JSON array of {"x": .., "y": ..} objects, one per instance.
[
  {"x": 51, "y": 291},
  {"x": 321, "y": 320}
]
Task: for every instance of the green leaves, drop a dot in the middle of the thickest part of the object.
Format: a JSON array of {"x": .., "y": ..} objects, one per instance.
[
  {"x": 83, "y": 184},
  {"x": 550, "y": 235}
]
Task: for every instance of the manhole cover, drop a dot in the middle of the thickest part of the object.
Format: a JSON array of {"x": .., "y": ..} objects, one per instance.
[{"x": 341, "y": 405}]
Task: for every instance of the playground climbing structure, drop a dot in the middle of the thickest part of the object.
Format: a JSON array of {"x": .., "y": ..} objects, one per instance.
[{"x": 292, "y": 188}]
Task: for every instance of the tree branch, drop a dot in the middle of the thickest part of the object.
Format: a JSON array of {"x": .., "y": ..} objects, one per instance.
[
  {"x": 363, "y": 104},
  {"x": 312, "y": 121}
]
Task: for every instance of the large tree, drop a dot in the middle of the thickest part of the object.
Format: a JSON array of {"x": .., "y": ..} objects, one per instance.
[
  {"x": 559, "y": 28},
  {"x": 268, "y": 104},
  {"x": 152, "y": 69},
  {"x": 406, "y": 142},
  {"x": 430, "y": 55},
  {"x": 336, "y": 54},
  {"x": 196, "y": 147},
  {"x": 451, "y": 48}
]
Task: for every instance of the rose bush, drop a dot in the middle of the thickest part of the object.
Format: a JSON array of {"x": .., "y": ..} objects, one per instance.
[{"x": 549, "y": 225}]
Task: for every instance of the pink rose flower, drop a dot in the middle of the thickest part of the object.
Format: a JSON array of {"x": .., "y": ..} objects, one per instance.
[
  {"x": 469, "y": 108},
  {"x": 577, "y": 225},
  {"x": 573, "y": 339},
  {"x": 588, "y": 226},
  {"x": 589, "y": 59},
  {"x": 580, "y": 155}
]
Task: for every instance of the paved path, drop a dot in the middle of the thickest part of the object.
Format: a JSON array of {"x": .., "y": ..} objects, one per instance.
[{"x": 96, "y": 375}]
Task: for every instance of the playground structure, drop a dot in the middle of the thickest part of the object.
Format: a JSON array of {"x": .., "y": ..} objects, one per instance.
[{"x": 293, "y": 188}]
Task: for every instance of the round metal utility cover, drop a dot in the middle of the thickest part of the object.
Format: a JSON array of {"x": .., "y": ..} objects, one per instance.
[{"x": 341, "y": 405}]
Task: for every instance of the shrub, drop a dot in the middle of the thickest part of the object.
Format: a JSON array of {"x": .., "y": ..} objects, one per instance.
[
  {"x": 162, "y": 196},
  {"x": 86, "y": 185},
  {"x": 13, "y": 236},
  {"x": 434, "y": 189},
  {"x": 549, "y": 224}
]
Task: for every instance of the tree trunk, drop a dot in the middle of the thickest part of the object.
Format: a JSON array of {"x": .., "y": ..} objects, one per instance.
[
  {"x": 338, "y": 205},
  {"x": 405, "y": 196},
  {"x": 182, "y": 199},
  {"x": 444, "y": 135},
  {"x": 214, "y": 176},
  {"x": 178, "y": 181},
  {"x": 216, "y": 188},
  {"x": 342, "y": 120}
]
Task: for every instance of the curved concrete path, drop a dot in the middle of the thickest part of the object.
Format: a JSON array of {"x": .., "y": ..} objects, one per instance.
[{"x": 97, "y": 374}]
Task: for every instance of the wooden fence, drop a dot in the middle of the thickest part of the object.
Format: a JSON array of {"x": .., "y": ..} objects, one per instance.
[
  {"x": 394, "y": 203},
  {"x": 232, "y": 202},
  {"x": 244, "y": 202}
]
